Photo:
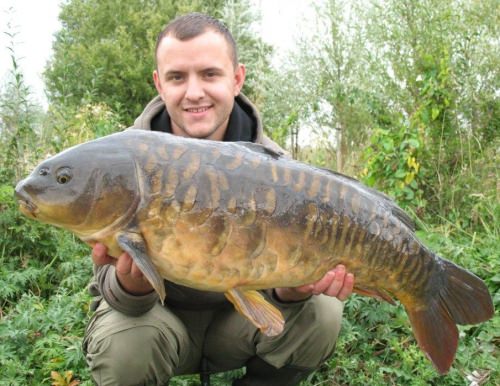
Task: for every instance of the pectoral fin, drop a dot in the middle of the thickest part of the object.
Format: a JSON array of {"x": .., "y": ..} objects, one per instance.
[
  {"x": 134, "y": 245},
  {"x": 258, "y": 310}
]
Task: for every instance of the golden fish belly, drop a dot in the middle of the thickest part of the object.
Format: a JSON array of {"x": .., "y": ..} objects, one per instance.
[{"x": 221, "y": 251}]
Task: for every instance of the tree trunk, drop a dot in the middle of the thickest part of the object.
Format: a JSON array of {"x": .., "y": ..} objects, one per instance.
[{"x": 340, "y": 158}]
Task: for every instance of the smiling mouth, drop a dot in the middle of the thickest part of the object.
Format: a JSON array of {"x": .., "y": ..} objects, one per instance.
[{"x": 197, "y": 109}]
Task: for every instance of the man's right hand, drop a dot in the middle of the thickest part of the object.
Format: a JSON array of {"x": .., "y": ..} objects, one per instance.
[{"x": 128, "y": 274}]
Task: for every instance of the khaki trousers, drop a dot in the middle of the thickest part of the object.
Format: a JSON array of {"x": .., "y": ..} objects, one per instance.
[{"x": 151, "y": 348}]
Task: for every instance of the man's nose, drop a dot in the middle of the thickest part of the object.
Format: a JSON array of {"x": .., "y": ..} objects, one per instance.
[{"x": 194, "y": 89}]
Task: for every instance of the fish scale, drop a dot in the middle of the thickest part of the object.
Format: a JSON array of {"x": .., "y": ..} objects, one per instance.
[{"x": 237, "y": 217}]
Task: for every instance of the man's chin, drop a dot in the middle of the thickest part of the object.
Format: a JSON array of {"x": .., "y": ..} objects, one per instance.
[{"x": 211, "y": 133}]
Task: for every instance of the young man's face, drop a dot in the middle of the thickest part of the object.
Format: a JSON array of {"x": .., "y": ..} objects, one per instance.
[{"x": 197, "y": 81}]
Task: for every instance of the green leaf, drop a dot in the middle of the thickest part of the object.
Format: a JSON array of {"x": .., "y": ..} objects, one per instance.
[
  {"x": 413, "y": 143},
  {"x": 496, "y": 279},
  {"x": 400, "y": 173},
  {"x": 425, "y": 116},
  {"x": 435, "y": 113},
  {"x": 410, "y": 195},
  {"x": 388, "y": 145}
]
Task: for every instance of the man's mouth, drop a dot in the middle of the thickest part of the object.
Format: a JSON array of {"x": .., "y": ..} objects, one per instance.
[{"x": 197, "y": 109}]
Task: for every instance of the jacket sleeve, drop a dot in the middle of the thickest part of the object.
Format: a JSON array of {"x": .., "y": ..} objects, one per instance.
[{"x": 106, "y": 284}]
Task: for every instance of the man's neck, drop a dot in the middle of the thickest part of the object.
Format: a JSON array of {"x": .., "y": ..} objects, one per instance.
[
  {"x": 216, "y": 135},
  {"x": 240, "y": 126}
]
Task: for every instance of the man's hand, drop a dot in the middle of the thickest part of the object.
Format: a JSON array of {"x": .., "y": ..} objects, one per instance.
[
  {"x": 128, "y": 274},
  {"x": 336, "y": 282}
]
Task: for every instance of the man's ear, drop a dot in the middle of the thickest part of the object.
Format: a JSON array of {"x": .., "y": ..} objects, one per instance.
[
  {"x": 239, "y": 78},
  {"x": 156, "y": 79}
]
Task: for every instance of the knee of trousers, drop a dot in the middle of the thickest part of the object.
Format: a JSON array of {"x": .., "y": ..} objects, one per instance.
[
  {"x": 325, "y": 330},
  {"x": 309, "y": 337},
  {"x": 141, "y": 355}
]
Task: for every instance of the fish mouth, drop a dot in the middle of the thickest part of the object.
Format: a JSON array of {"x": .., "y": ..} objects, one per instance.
[{"x": 28, "y": 207}]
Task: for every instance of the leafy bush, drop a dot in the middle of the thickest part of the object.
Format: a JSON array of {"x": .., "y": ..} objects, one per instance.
[
  {"x": 68, "y": 126},
  {"x": 393, "y": 164},
  {"x": 44, "y": 303}
]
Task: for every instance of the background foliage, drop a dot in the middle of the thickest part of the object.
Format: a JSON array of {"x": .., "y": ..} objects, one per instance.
[
  {"x": 110, "y": 45},
  {"x": 401, "y": 94}
]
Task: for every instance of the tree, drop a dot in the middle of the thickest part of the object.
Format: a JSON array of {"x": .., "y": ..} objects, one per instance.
[
  {"x": 329, "y": 83},
  {"x": 439, "y": 66},
  {"x": 104, "y": 52},
  {"x": 253, "y": 52},
  {"x": 341, "y": 76},
  {"x": 284, "y": 102},
  {"x": 20, "y": 119}
]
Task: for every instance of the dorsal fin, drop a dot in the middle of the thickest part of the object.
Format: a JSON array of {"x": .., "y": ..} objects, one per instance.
[
  {"x": 261, "y": 149},
  {"x": 403, "y": 217},
  {"x": 395, "y": 209},
  {"x": 392, "y": 206}
]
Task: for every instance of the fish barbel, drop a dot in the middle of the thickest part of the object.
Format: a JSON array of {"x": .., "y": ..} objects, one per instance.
[{"x": 238, "y": 217}]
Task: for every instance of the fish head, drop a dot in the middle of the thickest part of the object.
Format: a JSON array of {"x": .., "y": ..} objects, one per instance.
[{"x": 84, "y": 189}]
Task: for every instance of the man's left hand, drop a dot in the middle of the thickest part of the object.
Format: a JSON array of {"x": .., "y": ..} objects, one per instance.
[{"x": 336, "y": 282}]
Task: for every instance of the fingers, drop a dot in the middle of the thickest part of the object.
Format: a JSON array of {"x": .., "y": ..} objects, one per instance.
[
  {"x": 135, "y": 272},
  {"x": 324, "y": 284},
  {"x": 129, "y": 275},
  {"x": 337, "y": 283},
  {"x": 124, "y": 264},
  {"x": 347, "y": 288},
  {"x": 100, "y": 256}
]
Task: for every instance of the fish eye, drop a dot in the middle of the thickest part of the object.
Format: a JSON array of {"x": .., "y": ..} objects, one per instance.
[
  {"x": 63, "y": 175},
  {"x": 43, "y": 171}
]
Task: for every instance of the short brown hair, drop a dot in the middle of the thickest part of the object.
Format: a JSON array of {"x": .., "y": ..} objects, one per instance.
[{"x": 194, "y": 24}]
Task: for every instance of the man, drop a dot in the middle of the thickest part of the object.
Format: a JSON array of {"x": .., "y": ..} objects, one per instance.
[{"x": 132, "y": 339}]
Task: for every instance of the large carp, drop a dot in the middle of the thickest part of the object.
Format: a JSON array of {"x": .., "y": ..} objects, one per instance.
[{"x": 238, "y": 217}]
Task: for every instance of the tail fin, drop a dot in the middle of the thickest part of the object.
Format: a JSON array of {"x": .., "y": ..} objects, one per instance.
[{"x": 460, "y": 298}]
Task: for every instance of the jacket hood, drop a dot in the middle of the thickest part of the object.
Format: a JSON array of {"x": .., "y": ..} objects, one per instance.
[{"x": 156, "y": 106}]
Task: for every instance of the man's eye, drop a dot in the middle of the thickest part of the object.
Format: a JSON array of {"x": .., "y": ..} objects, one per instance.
[{"x": 175, "y": 78}]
